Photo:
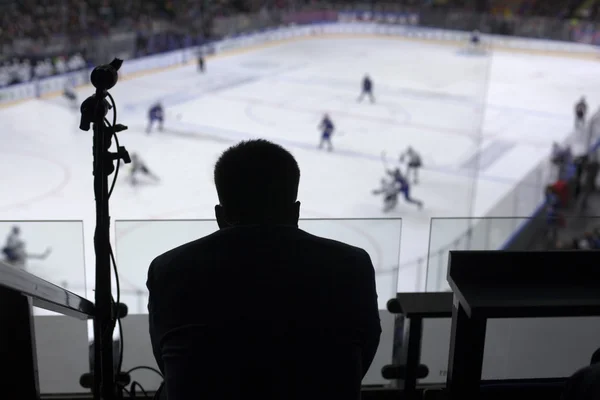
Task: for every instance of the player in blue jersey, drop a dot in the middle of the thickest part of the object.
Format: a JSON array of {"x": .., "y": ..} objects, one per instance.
[
  {"x": 475, "y": 45},
  {"x": 367, "y": 89},
  {"x": 156, "y": 114},
  {"x": 327, "y": 129},
  {"x": 403, "y": 186},
  {"x": 475, "y": 38}
]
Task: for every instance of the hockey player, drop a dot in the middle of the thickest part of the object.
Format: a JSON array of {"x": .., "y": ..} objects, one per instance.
[
  {"x": 138, "y": 166},
  {"x": 14, "y": 250},
  {"x": 414, "y": 163},
  {"x": 327, "y": 129},
  {"x": 70, "y": 95},
  {"x": 155, "y": 114},
  {"x": 389, "y": 189},
  {"x": 200, "y": 62},
  {"x": 560, "y": 155},
  {"x": 580, "y": 112},
  {"x": 475, "y": 38},
  {"x": 367, "y": 89},
  {"x": 404, "y": 187}
]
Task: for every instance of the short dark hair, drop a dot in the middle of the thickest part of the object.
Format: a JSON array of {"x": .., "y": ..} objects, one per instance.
[{"x": 256, "y": 179}]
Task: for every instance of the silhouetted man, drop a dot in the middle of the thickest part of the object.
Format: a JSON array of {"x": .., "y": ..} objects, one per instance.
[
  {"x": 261, "y": 309},
  {"x": 585, "y": 383}
]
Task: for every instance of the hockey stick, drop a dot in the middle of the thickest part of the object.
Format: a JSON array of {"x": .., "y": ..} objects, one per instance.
[
  {"x": 42, "y": 256},
  {"x": 384, "y": 160},
  {"x": 172, "y": 116}
]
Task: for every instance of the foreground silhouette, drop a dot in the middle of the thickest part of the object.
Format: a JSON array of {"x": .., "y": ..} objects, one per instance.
[{"x": 261, "y": 308}]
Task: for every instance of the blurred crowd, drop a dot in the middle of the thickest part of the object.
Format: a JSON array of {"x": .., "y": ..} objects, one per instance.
[
  {"x": 586, "y": 10},
  {"x": 580, "y": 9},
  {"x": 36, "y": 35},
  {"x": 588, "y": 241},
  {"x": 40, "y": 38},
  {"x": 42, "y": 19},
  {"x": 46, "y": 19},
  {"x": 570, "y": 194},
  {"x": 18, "y": 71}
]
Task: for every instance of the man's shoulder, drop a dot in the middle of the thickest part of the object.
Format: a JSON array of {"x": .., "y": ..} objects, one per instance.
[
  {"x": 282, "y": 237},
  {"x": 193, "y": 248},
  {"x": 322, "y": 244}
]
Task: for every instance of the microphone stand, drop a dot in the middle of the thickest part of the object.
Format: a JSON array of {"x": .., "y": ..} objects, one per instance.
[{"x": 93, "y": 111}]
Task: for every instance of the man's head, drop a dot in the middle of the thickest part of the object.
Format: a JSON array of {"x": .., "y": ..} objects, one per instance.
[
  {"x": 595, "y": 357},
  {"x": 257, "y": 182}
]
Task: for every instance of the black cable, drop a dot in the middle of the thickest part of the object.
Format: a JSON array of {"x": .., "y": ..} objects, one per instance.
[
  {"x": 113, "y": 104},
  {"x": 126, "y": 391},
  {"x": 134, "y": 384},
  {"x": 114, "y": 263},
  {"x": 114, "y": 134},
  {"x": 112, "y": 185},
  {"x": 118, "y": 319},
  {"x": 145, "y": 367},
  {"x": 120, "y": 364},
  {"x": 114, "y": 108}
]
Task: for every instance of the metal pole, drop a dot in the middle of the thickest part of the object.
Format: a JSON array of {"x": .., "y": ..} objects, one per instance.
[{"x": 103, "y": 320}]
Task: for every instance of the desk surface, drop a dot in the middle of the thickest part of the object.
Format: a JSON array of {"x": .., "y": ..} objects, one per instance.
[
  {"x": 425, "y": 305},
  {"x": 528, "y": 301}
]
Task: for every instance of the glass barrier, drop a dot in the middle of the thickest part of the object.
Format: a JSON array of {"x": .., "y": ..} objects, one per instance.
[
  {"x": 139, "y": 242},
  {"x": 62, "y": 352},
  {"x": 540, "y": 233},
  {"x": 51, "y": 250}
]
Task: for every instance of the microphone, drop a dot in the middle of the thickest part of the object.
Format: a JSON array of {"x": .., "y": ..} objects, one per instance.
[{"x": 104, "y": 77}]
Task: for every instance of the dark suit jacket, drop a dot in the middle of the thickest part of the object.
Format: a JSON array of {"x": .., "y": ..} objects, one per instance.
[
  {"x": 584, "y": 384},
  {"x": 267, "y": 312}
]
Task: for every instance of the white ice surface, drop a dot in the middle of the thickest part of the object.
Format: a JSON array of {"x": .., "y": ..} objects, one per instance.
[{"x": 444, "y": 103}]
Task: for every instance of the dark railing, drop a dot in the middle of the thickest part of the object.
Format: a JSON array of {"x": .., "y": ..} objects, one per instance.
[{"x": 19, "y": 292}]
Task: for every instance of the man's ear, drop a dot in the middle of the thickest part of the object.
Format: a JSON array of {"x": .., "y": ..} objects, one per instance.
[
  {"x": 296, "y": 213},
  {"x": 221, "y": 218}
]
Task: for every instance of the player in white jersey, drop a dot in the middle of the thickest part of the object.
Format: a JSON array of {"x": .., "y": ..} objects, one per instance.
[
  {"x": 390, "y": 190},
  {"x": 14, "y": 250},
  {"x": 414, "y": 162},
  {"x": 71, "y": 96},
  {"x": 138, "y": 166}
]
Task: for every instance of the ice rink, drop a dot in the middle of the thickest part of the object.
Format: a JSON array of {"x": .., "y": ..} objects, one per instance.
[{"x": 487, "y": 119}]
